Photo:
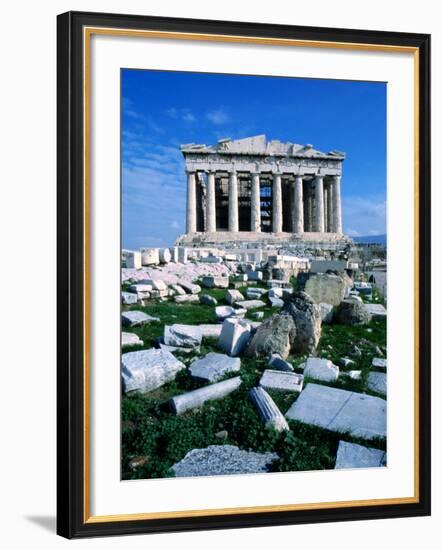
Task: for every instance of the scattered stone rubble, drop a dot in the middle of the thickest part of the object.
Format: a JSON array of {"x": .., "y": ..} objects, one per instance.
[
  {"x": 196, "y": 398},
  {"x": 235, "y": 336},
  {"x": 223, "y": 460},
  {"x": 306, "y": 316},
  {"x": 182, "y": 336},
  {"x": 379, "y": 363},
  {"x": 326, "y": 294},
  {"x": 134, "y": 318},
  {"x": 341, "y": 411},
  {"x": 350, "y": 312},
  {"x": 214, "y": 366},
  {"x": 377, "y": 382},
  {"x": 130, "y": 339},
  {"x": 268, "y": 412},
  {"x": 147, "y": 370},
  {"x": 276, "y": 362},
  {"x": 351, "y": 455},
  {"x": 275, "y": 335},
  {"x": 321, "y": 369},
  {"x": 323, "y": 287}
]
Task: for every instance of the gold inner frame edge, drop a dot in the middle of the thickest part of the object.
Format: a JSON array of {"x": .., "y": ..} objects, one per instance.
[{"x": 87, "y": 33}]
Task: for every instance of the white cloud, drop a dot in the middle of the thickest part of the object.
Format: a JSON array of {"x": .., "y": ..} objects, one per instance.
[
  {"x": 188, "y": 117},
  {"x": 364, "y": 216},
  {"x": 184, "y": 114},
  {"x": 133, "y": 114},
  {"x": 154, "y": 194},
  {"x": 218, "y": 116},
  {"x": 172, "y": 112}
]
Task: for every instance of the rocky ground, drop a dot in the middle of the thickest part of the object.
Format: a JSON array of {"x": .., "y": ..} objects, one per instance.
[{"x": 248, "y": 379}]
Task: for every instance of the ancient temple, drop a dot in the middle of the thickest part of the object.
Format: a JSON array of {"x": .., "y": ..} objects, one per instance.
[{"x": 252, "y": 189}]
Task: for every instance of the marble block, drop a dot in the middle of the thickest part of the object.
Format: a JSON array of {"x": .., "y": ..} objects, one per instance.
[{"x": 280, "y": 380}]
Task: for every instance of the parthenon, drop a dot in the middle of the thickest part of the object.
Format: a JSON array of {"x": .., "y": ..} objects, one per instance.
[{"x": 254, "y": 189}]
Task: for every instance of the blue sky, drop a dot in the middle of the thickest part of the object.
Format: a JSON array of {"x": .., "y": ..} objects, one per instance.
[{"x": 161, "y": 110}]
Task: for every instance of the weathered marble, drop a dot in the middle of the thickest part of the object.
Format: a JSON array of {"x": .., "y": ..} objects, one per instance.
[
  {"x": 133, "y": 260},
  {"x": 276, "y": 362},
  {"x": 178, "y": 289},
  {"x": 140, "y": 288},
  {"x": 321, "y": 369},
  {"x": 351, "y": 455},
  {"x": 207, "y": 300},
  {"x": 130, "y": 339},
  {"x": 211, "y": 331},
  {"x": 233, "y": 296},
  {"x": 255, "y": 292},
  {"x": 196, "y": 398},
  {"x": 222, "y": 460},
  {"x": 341, "y": 411},
  {"x": 135, "y": 318},
  {"x": 129, "y": 298},
  {"x": 154, "y": 284},
  {"x": 215, "y": 282},
  {"x": 147, "y": 370},
  {"x": 224, "y": 312},
  {"x": 174, "y": 349},
  {"x": 276, "y": 302},
  {"x": 150, "y": 256},
  {"x": 255, "y": 275},
  {"x": 376, "y": 311},
  {"x": 190, "y": 288},
  {"x": 275, "y": 292},
  {"x": 268, "y": 412},
  {"x": 165, "y": 255},
  {"x": 326, "y": 312},
  {"x": 235, "y": 336},
  {"x": 211, "y": 259},
  {"x": 350, "y": 312},
  {"x": 324, "y": 288},
  {"x": 379, "y": 363},
  {"x": 183, "y": 336},
  {"x": 214, "y": 366},
  {"x": 307, "y": 319},
  {"x": 323, "y": 265},
  {"x": 274, "y": 336},
  {"x": 182, "y": 255},
  {"x": 279, "y": 380},
  {"x": 186, "y": 298},
  {"x": 250, "y": 304},
  {"x": 377, "y": 381}
]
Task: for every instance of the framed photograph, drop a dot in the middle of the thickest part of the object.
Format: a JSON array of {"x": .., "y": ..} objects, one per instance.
[{"x": 243, "y": 247}]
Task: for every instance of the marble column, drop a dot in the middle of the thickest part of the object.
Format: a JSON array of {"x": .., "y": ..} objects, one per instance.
[
  {"x": 336, "y": 202},
  {"x": 297, "y": 206},
  {"x": 319, "y": 199},
  {"x": 309, "y": 209},
  {"x": 210, "y": 203},
  {"x": 330, "y": 208},
  {"x": 191, "y": 203},
  {"x": 325, "y": 187},
  {"x": 233, "y": 202},
  {"x": 255, "y": 213},
  {"x": 277, "y": 204}
]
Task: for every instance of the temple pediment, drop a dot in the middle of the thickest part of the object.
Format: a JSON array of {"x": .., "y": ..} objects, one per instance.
[{"x": 259, "y": 145}]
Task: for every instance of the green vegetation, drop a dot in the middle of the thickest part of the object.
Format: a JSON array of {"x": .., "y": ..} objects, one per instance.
[{"x": 155, "y": 438}]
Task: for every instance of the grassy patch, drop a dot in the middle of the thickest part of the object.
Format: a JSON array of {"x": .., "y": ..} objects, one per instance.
[{"x": 157, "y": 438}]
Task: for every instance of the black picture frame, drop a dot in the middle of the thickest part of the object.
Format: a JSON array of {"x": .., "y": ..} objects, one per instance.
[{"x": 72, "y": 391}]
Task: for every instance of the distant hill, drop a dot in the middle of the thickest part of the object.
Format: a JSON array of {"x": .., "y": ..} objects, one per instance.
[{"x": 372, "y": 239}]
